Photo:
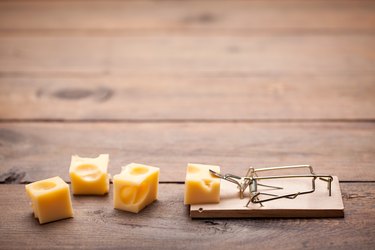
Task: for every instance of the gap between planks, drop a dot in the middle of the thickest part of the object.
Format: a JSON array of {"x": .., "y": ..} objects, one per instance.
[
  {"x": 162, "y": 182},
  {"x": 268, "y": 120}
]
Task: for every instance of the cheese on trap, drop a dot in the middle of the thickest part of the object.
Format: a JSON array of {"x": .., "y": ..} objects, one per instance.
[{"x": 200, "y": 185}]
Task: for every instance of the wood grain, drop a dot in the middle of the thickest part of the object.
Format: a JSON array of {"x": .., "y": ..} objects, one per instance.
[
  {"x": 318, "y": 204},
  {"x": 187, "y": 97},
  {"x": 165, "y": 83},
  {"x": 183, "y": 16},
  {"x": 33, "y": 151},
  {"x": 166, "y": 224},
  {"x": 188, "y": 55}
]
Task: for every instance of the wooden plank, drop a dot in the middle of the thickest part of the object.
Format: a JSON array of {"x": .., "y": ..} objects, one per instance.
[
  {"x": 33, "y": 151},
  {"x": 182, "y": 54},
  {"x": 318, "y": 204},
  {"x": 254, "y": 16},
  {"x": 187, "y": 97},
  {"x": 166, "y": 224}
]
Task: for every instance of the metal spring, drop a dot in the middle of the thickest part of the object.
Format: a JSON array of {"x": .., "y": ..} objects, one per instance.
[{"x": 251, "y": 181}]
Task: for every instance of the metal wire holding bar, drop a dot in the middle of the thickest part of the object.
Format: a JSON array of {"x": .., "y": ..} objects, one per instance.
[{"x": 251, "y": 181}]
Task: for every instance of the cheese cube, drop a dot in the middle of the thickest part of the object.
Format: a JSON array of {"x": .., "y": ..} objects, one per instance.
[
  {"x": 50, "y": 199},
  {"x": 200, "y": 185},
  {"x": 89, "y": 175},
  {"x": 135, "y": 187}
]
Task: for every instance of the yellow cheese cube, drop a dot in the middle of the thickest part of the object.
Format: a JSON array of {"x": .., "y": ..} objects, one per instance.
[
  {"x": 50, "y": 199},
  {"x": 200, "y": 185},
  {"x": 89, "y": 175},
  {"x": 135, "y": 187}
]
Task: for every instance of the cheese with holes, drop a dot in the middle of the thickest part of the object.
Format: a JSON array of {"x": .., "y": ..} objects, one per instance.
[
  {"x": 89, "y": 175},
  {"x": 50, "y": 199},
  {"x": 200, "y": 185},
  {"x": 135, "y": 187}
]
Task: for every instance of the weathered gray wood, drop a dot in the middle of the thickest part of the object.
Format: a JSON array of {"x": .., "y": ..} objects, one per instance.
[
  {"x": 222, "y": 16},
  {"x": 188, "y": 97},
  {"x": 166, "y": 225},
  {"x": 33, "y": 151},
  {"x": 188, "y": 55}
]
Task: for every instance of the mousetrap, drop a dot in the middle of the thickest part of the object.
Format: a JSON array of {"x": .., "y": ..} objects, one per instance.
[{"x": 289, "y": 195}]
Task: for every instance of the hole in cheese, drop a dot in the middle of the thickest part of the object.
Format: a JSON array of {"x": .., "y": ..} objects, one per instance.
[
  {"x": 134, "y": 195},
  {"x": 207, "y": 183},
  {"x": 141, "y": 193},
  {"x": 127, "y": 194},
  {"x": 46, "y": 185},
  {"x": 138, "y": 170},
  {"x": 88, "y": 171}
]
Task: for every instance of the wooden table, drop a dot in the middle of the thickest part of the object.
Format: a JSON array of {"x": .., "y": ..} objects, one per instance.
[{"x": 165, "y": 83}]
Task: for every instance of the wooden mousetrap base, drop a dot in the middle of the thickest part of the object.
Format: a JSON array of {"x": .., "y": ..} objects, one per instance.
[{"x": 316, "y": 204}]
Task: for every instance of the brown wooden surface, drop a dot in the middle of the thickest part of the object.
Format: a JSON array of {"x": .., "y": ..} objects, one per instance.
[
  {"x": 37, "y": 150},
  {"x": 172, "y": 54},
  {"x": 170, "y": 82},
  {"x": 267, "y": 97},
  {"x": 223, "y": 16},
  {"x": 166, "y": 224}
]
